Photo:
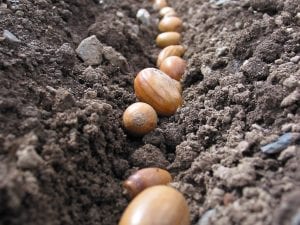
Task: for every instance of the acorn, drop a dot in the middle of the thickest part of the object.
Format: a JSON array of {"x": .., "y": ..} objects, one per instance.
[
  {"x": 145, "y": 178},
  {"x": 158, "y": 90},
  {"x": 168, "y": 38},
  {"x": 167, "y": 11},
  {"x": 176, "y": 50},
  {"x": 174, "y": 66},
  {"x": 170, "y": 23},
  {"x": 178, "y": 85},
  {"x": 159, "y": 4},
  {"x": 157, "y": 205},
  {"x": 139, "y": 119}
]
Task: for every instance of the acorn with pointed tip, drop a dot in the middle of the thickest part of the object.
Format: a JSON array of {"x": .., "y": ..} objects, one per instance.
[{"x": 145, "y": 178}]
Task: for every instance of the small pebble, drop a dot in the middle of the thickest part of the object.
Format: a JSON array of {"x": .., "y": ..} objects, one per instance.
[
  {"x": 144, "y": 16},
  {"x": 28, "y": 158},
  {"x": 219, "y": 2},
  {"x": 290, "y": 82},
  {"x": 291, "y": 99},
  {"x": 13, "y": 1},
  {"x": 296, "y": 128},
  {"x": 222, "y": 51},
  {"x": 120, "y": 14},
  {"x": 90, "y": 51},
  {"x": 295, "y": 59},
  {"x": 281, "y": 143},
  {"x": 279, "y": 61},
  {"x": 206, "y": 217},
  {"x": 243, "y": 146},
  {"x": 10, "y": 36},
  {"x": 298, "y": 17},
  {"x": 296, "y": 219},
  {"x": 238, "y": 25},
  {"x": 286, "y": 127},
  {"x": 20, "y": 13},
  {"x": 289, "y": 30}
]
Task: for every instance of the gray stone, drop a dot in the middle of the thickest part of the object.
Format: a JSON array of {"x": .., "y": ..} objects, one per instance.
[
  {"x": 90, "y": 50},
  {"x": 222, "y": 51},
  {"x": 291, "y": 99},
  {"x": 281, "y": 143},
  {"x": 144, "y": 16},
  {"x": 10, "y": 36},
  {"x": 290, "y": 82},
  {"x": 295, "y": 59},
  {"x": 28, "y": 158},
  {"x": 206, "y": 217}
]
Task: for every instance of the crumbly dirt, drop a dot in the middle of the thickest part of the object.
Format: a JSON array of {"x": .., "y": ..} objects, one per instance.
[{"x": 64, "y": 153}]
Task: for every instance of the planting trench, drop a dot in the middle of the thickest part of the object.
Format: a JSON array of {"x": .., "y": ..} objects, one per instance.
[{"x": 64, "y": 153}]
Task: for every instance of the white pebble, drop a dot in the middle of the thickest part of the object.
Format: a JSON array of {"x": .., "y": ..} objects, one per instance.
[
  {"x": 10, "y": 36},
  {"x": 144, "y": 16}
]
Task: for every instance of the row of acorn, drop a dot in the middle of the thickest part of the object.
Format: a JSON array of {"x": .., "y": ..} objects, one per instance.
[{"x": 159, "y": 92}]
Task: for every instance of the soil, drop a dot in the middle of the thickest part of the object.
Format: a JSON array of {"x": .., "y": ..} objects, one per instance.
[{"x": 63, "y": 150}]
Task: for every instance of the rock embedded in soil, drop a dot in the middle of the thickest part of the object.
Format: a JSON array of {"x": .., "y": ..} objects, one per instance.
[
  {"x": 291, "y": 99},
  {"x": 28, "y": 158},
  {"x": 90, "y": 51},
  {"x": 143, "y": 16},
  {"x": 10, "y": 36},
  {"x": 281, "y": 143},
  {"x": 206, "y": 217}
]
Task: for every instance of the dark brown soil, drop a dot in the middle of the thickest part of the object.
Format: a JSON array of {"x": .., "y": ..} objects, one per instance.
[{"x": 63, "y": 151}]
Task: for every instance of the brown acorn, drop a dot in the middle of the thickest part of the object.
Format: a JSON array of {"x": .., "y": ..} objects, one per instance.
[
  {"x": 168, "y": 38},
  {"x": 158, "y": 90},
  {"x": 145, "y": 178},
  {"x": 139, "y": 118},
  {"x": 157, "y": 205},
  {"x": 170, "y": 23},
  {"x": 159, "y": 4},
  {"x": 174, "y": 66},
  {"x": 177, "y": 50},
  {"x": 167, "y": 11}
]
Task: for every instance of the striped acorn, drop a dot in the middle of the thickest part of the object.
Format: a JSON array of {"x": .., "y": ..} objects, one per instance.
[
  {"x": 158, "y": 90},
  {"x": 157, "y": 205},
  {"x": 177, "y": 50}
]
